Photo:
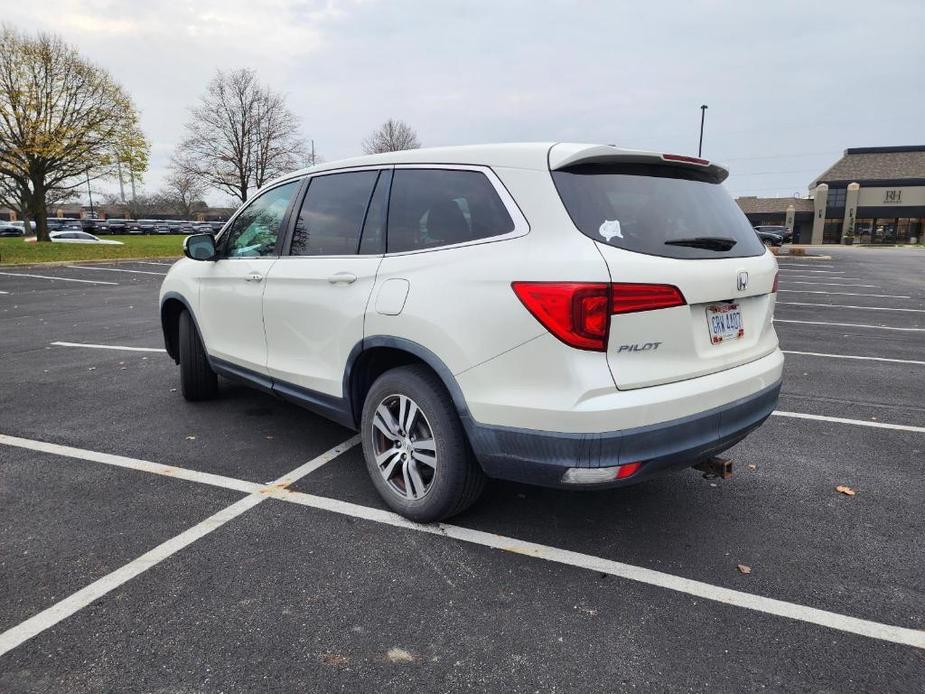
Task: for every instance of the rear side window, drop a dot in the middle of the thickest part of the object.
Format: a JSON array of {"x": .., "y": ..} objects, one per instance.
[
  {"x": 441, "y": 207},
  {"x": 657, "y": 210},
  {"x": 332, "y": 214}
]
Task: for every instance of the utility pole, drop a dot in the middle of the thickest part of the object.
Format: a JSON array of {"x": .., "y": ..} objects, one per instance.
[
  {"x": 90, "y": 193},
  {"x": 703, "y": 115},
  {"x": 121, "y": 183},
  {"x": 313, "y": 151}
]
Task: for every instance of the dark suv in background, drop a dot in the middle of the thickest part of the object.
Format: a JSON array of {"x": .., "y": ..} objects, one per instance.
[{"x": 785, "y": 233}]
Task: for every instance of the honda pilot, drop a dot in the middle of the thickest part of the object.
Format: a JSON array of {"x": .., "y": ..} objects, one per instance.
[{"x": 569, "y": 315}]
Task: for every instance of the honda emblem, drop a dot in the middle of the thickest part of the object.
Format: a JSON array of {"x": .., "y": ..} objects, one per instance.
[{"x": 742, "y": 281}]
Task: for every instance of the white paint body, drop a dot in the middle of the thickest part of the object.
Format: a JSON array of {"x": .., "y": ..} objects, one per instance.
[{"x": 299, "y": 325}]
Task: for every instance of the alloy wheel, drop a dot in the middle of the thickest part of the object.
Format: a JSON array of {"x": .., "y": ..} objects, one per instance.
[{"x": 404, "y": 447}]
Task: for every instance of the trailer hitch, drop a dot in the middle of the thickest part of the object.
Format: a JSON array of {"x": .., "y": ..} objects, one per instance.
[{"x": 715, "y": 467}]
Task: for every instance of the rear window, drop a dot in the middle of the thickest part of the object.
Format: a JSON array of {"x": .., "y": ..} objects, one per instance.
[{"x": 657, "y": 210}]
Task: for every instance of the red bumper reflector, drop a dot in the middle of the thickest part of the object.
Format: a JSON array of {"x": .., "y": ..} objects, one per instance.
[{"x": 627, "y": 470}]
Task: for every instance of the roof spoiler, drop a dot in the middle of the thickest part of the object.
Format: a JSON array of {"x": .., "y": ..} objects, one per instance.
[{"x": 562, "y": 156}]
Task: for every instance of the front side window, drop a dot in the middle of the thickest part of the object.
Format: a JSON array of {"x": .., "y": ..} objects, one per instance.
[
  {"x": 442, "y": 207},
  {"x": 255, "y": 230},
  {"x": 332, "y": 214}
]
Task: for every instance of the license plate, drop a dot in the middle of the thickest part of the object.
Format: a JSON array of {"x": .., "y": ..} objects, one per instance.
[{"x": 725, "y": 322}]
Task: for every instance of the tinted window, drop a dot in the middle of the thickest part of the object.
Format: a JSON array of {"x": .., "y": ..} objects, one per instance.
[
  {"x": 373, "y": 240},
  {"x": 433, "y": 207},
  {"x": 255, "y": 230},
  {"x": 332, "y": 214},
  {"x": 656, "y": 210}
]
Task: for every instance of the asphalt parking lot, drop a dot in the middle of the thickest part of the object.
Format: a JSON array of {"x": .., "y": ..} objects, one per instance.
[{"x": 150, "y": 544}]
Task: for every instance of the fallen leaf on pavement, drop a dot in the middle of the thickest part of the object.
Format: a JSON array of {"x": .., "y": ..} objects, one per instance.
[
  {"x": 190, "y": 438},
  {"x": 399, "y": 655},
  {"x": 847, "y": 491},
  {"x": 744, "y": 569},
  {"x": 752, "y": 467}
]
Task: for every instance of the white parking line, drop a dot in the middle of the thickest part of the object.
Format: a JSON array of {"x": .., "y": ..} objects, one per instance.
[
  {"x": 879, "y": 296},
  {"x": 862, "y": 308},
  {"x": 850, "y": 325},
  {"x": 49, "y": 277},
  {"x": 47, "y": 618},
  {"x": 148, "y": 262},
  {"x": 115, "y": 347},
  {"x": 115, "y": 269},
  {"x": 728, "y": 596},
  {"x": 824, "y": 272},
  {"x": 133, "y": 464},
  {"x": 2, "y": 292},
  {"x": 707, "y": 591},
  {"x": 832, "y": 284},
  {"x": 797, "y": 266},
  {"x": 787, "y": 278},
  {"x": 852, "y": 356},
  {"x": 855, "y": 422}
]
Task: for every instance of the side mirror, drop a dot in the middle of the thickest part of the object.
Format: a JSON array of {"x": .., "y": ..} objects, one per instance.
[{"x": 199, "y": 247}]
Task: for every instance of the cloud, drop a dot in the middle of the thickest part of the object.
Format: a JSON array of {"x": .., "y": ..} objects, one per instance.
[{"x": 782, "y": 78}]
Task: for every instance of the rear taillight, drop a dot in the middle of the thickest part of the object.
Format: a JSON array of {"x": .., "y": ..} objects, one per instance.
[
  {"x": 774, "y": 286},
  {"x": 575, "y": 312},
  {"x": 578, "y": 313},
  {"x": 628, "y": 297}
]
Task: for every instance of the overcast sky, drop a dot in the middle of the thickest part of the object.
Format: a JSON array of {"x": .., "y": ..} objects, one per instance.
[{"x": 789, "y": 84}]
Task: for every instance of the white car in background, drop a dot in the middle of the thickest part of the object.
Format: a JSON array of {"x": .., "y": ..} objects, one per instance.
[
  {"x": 575, "y": 316},
  {"x": 79, "y": 237}
]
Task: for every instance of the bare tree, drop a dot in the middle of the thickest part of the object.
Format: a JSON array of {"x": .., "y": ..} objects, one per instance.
[
  {"x": 241, "y": 136},
  {"x": 62, "y": 120},
  {"x": 183, "y": 193},
  {"x": 391, "y": 136}
]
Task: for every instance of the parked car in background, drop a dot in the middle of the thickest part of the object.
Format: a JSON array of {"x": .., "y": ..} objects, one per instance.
[
  {"x": 173, "y": 226},
  {"x": 769, "y": 239},
  {"x": 202, "y": 228},
  {"x": 569, "y": 315},
  {"x": 216, "y": 226},
  {"x": 79, "y": 237},
  {"x": 160, "y": 227},
  {"x": 10, "y": 229},
  {"x": 89, "y": 224},
  {"x": 117, "y": 226},
  {"x": 187, "y": 227},
  {"x": 785, "y": 233},
  {"x": 22, "y": 225}
]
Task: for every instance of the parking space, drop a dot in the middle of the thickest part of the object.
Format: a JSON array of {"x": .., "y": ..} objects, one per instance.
[{"x": 771, "y": 579}]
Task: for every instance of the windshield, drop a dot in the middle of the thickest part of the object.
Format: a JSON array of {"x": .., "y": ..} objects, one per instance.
[{"x": 657, "y": 210}]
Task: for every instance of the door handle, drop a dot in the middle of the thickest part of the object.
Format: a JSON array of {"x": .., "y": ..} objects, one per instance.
[
  {"x": 254, "y": 277},
  {"x": 342, "y": 278}
]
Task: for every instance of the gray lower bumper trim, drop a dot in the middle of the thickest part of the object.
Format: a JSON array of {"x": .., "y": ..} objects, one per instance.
[{"x": 540, "y": 457}]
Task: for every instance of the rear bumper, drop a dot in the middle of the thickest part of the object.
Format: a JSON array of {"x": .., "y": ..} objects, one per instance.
[{"x": 541, "y": 457}]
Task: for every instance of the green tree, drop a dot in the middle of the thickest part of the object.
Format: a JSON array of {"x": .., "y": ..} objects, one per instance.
[{"x": 63, "y": 120}]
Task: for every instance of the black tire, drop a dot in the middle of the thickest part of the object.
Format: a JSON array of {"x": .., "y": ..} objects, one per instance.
[
  {"x": 197, "y": 379},
  {"x": 457, "y": 479}
]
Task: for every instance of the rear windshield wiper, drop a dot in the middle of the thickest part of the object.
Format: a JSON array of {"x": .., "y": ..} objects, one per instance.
[{"x": 710, "y": 243}]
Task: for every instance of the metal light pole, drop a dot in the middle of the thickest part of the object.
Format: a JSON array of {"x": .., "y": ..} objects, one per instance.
[
  {"x": 703, "y": 115},
  {"x": 90, "y": 193}
]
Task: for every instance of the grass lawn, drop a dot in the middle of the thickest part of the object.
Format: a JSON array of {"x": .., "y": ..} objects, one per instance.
[{"x": 15, "y": 251}]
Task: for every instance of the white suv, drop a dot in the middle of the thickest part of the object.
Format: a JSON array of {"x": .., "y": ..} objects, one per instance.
[{"x": 569, "y": 315}]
